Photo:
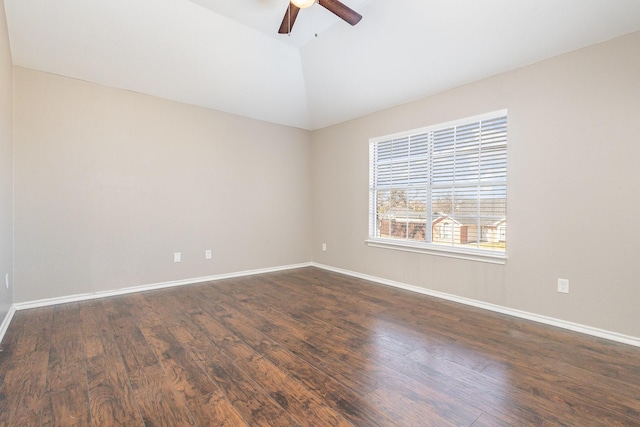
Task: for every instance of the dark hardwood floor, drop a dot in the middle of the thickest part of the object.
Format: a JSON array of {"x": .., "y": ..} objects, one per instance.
[{"x": 305, "y": 347}]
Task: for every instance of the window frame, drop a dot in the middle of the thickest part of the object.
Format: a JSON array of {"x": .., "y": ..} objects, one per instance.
[{"x": 416, "y": 246}]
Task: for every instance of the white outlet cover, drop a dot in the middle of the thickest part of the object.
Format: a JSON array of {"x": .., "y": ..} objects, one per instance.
[
  {"x": 177, "y": 257},
  {"x": 207, "y": 254},
  {"x": 563, "y": 286},
  {"x": 6, "y": 280}
]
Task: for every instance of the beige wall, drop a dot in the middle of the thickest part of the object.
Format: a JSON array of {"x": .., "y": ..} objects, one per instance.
[
  {"x": 109, "y": 183},
  {"x": 574, "y": 166},
  {"x": 6, "y": 166}
]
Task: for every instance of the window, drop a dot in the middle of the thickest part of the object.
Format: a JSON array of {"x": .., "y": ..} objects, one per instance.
[{"x": 442, "y": 189}]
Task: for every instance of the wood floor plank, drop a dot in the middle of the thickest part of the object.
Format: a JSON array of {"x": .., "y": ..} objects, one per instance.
[
  {"x": 486, "y": 420},
  {"x": 67, "y": 407},
  {"x": 111, "y": 399},
  {"x": 306, "y": 407},
  {"x": 23, "y": 390},
  {"x": 159, "y": 404},
  {"x": 577, "y": 395},
  {"x": 35, "y": 332},
  {"x": 185, "y": 374},
  {"x": 190, "y": 380},
  {"x": 305, "y": 347},
  {"x": 67, "y": 401},
  {"x": 407, "y": 412},
  {"x": 216, "y": 410},
  {"x": 135, "y": 351},
  {"x": 338, "y": 396},
  {"x": 352, "y": 335},
  {"x": 23, "y": 367},
  {"x": 584, "y": 397},
  {"x": 251, "y": 402},
  {"x": 335, "y": 394},
  {"x": 559, "y": 398},
  {"x": 439, "y": 401},
  {"x": 294, "y": 340}
]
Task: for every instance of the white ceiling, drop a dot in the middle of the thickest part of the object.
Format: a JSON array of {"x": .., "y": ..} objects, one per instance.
[{"x": 227, "y": 55}]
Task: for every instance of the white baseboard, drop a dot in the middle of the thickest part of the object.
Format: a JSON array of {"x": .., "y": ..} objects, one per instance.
[
  {"x": 576, "y": 327},
  {"x": 613, "y": 336},
  {"x": 5, "y": 323},
  {"x": 149, "y": 287}
]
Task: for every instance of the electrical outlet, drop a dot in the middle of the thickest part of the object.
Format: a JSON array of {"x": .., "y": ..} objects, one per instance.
[
  {"x": 324, "y": 247},
  {"x": 6, "y": 280},
  {"x": 207, "y": 254},
  {"x": 563, "y": 286},
  {"x": 177, "y": 257}
]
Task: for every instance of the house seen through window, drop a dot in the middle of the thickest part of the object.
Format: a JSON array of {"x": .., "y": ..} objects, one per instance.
[{"x": 442, "y": 187}]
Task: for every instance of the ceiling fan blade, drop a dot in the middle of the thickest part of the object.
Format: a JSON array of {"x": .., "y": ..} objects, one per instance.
[
  {"x": 341, "y": 10},
  {"x": 289, "y": 18}
]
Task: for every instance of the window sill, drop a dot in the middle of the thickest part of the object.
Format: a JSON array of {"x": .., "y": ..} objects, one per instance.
[{"x": 437, "y": 250}]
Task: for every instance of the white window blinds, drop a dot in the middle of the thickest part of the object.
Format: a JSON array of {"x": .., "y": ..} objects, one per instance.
[{"x": 444, "y": 185}]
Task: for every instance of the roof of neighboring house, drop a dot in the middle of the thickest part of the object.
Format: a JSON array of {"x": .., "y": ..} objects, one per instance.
[{"x": 417, "y": 216}]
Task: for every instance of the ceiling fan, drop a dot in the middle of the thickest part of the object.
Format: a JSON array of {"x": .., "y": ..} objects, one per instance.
[{"x": 334, "y": 6}]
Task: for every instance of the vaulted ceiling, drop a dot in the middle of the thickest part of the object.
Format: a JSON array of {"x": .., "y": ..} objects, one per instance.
[{"x": 227, "y": 55}]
